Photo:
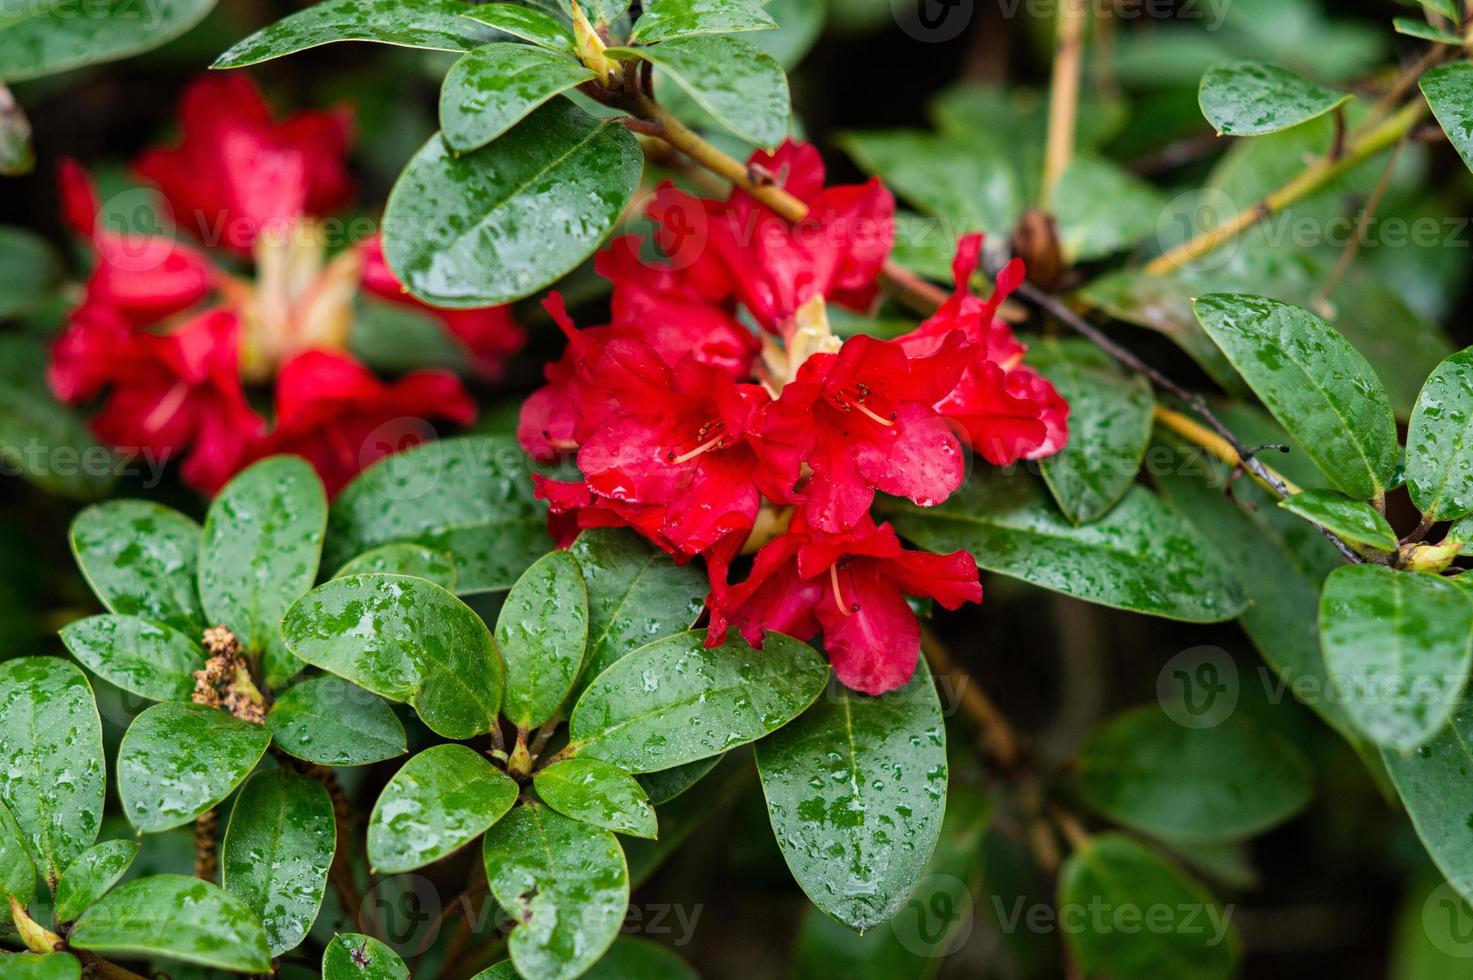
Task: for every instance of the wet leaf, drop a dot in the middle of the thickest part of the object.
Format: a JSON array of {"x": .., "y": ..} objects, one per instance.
[
  {"x": 665, "y": 20},
  {"x": 353, "y": 957},
  {"x": 674, "y": 701},
  {"x": 17, "y": 870},
  {"x": 178, "y": 760},
  {"x": 90, "y": 876},
  {"x": 1398, "y": 646},
  {"x": 38, "y": 966},
  {"x": 542, "y": 633},
  {"x": 1439, "y": 461},
  {"x": 405, "y": 559},
  {"x": 139, "y": 558},
  {"x": 496, "y": 86},
  {"x": 597, "y": 793},
  {"x": 566, "y": 885},
  {"x": 51, "y": 740},
  {"x": 1353, "y": 520},
  {"x": 178, "y": 918},
  {"x": 440, "y": 801},
  {"x": 1102, "y": 208},
  {"x": 149, "y": 659},
  {"x": 1433, "y": 784},
  {"x": 1251, "y": 98},
  {"x": 503, "y": 222},
  {"x": 1449, "y": 91},
  {"x": 965, "y": 185},
  {"x": 276, "y": 853},
  {"x": 333, "y": 723},
  {"x": 666, "y": 784},
  {"x": 439, "y": 25},
  {"x": 405, "y": 639},
  {"x": 46, "y": 38},
  {"x": 1425, "y": 31},
  {"x": 856, "y": 789},
  {"x": 526, "y": 23}
]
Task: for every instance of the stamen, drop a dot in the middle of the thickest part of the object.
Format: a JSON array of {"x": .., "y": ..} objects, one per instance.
[
  {"x": 838, "y": 593},
  {"x": 714, "y": 442},
  {"x": 885, "y": 422},
  {"x": 165, "y": 410}
]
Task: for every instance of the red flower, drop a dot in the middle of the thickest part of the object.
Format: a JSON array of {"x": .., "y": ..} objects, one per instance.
[
  {"x": 862, "y": 420},
  {"x": 237, "y": 172},
  {"x": 851, "y": 588},
  {"x": 739, "y": 247},
  {"x": 489, "y": 334},
  {"x": 335, "y": 413}
]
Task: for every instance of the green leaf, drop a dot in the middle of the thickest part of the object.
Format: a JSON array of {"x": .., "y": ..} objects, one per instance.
[
  {"x": 496, "y": 86},
  {"x": 30, "y": 271},
  {"x": 600, "y": 12},
  {"x": 1109, "y": 427},
  {"x": 440, "y": 801},
  {"x": 178, "y": 760},
  {"x": 139, "y": 558},
  {"x": 42, "y": 440},
  {"x": 597, "y": 793},
  {"x": 674, "y": 701},
  {"x": 1319, "y": 388},
  {"x": 856, "y": 789},
  {"x": 1102, "y": 209},
  {"x": 1425, "y": 31},
  {"x": 1222, "y": 783},
  {"x": 968, "y": 186},
  {"x": 636, "y": 595},
  {"x": 1449, "y": 91},
  {"x": 525, "y": 23},
  {"x": 542, "y": 633},
  {"x": 741, "y": 86},
  {"x": 261, "y": 547},
  {"x": 666, "y": 784},
  {"x": 49, "y": 726},
  {"x": 17, "y": 870},
  {"x": 665, "y": 20},
  {"x": 405, "y": 639},
  {"x": 439, "y": 25},
  {"x": 40, "y": 966},
  {"x": 503, "y": 222},
  {"x": 39, "y": 39},
  {"x": 1398, "y": 645},
  {"x": 395, "y": 338},
  {"x": 351, "y": 956},
  {"x": 405, "y": 559},
  {"x": 148, "y": 659},
  {"x": 1353, "y": 520},
  {"x": 470, "y": 497},
  {"x": 1439, "y": 463},
  {"x": 90, "y": 876},
  {"x": 1433, "y": 784},
  {"x": 566, "y": 885},
  {"x": 1141, "y": 556},
  {"x": 333, "y": 723},
  {"x": 178, "y": 918},
  {"x": 1118, "y": 874},
  {"x": 276, "y": 853},
  {"x": 1250, "y": 98}
]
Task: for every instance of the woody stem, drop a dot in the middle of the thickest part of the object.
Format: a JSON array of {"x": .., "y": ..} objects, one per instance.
[{"x": 1064, "y": 95}]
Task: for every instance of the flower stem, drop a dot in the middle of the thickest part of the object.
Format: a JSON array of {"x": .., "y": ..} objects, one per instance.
[{"x": 1193, "y": 431}]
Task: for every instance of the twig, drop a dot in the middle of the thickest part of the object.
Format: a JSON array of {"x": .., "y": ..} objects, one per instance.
[
  {"x": 206, "y": 852},
  {"x": 1321, "y": 299},
  {"x": 1064, "y": 95},
  {"x": 1070, "y": 827}
]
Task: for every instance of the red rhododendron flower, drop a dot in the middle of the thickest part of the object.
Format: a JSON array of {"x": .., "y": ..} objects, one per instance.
[
  {"x": 237, "y": 172},
  {"x": 852, "y": 588},
  {"x": 336, "y": 413},
  {"x": 739, "y": 247}
]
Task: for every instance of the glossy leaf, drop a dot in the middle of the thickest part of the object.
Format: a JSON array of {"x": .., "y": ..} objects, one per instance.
[
  {"x": 636, "y": 595},
  {"x": 665, "y": 20},
  {"x": 503, "y": 222},
  {"x": 526, "y": 23},
  {"x": 149, "y": 659},
  {"x": 139, "y": 558},
  {"x": 600, "y": 12},
  {"x": 1399, "y": 646},
  {"x": 70, "y": 461},
  {"x": 178, "y": 918},
  {"x": 261, "y": 547},
  {"x": 741, "y": 86},
  {"x": 674, "y": 701},
  {"x": 1439, "y": 461},
  {"x": 404, "y": 559},
  {"x": 856, "y": 789},
  {"x": 39, "y": 39},
  {"x": 90, "y": 876},
  {"x": 1109, "y": 427},
  {"x": 30, "y": 270},
  {"x": 276, "y": 853},
  {"x": 496, "y": 86},
  {"x": 1433, "y": 785},
  {"x": 1318, "y": 387},
  {"x": 1250, "y": 98},
  {"x": 1117, "y": 873},
  {"x": 597, "y": 793},
  {"x": 333, "y": 723},
  {"x": 542, "y": 633},
  {"x": 440, "y": 801},
  {"x": 564, "y": 882},
  {"x": 438, "y": 25},
  {"x": 967, "y": 186},
  {"x": 666, "y": 784},
  {"x": 1420, "y": 28},
  {"x": 354, "y": 957},
  {"x": 1233, "y": 780},
  {"x": 1141, "y": 556},
  {"x": 178, "y": 760},
  {"x": 17, "y": 870},
  {"x": 1102, "y": 208},
  {"x": 405, "y": 639},
  {"x": 469, "y": 497},
  {"x": 49, "y": 726},
  {"x": 40, "y": 966},
  {"x": 1449, "y": 91},
  {"x": 1353, "y": 520}
]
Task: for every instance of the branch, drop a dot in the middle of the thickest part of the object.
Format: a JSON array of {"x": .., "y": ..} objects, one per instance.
[{"x": 1064, "y": 95}]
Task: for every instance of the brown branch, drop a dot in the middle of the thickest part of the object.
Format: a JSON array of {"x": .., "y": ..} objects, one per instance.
[
  {"x": 1064, "y": 95},
  {"x": 206, "y": 845}
]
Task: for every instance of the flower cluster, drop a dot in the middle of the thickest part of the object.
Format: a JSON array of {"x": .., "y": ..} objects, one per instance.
[
  {"x": 169, "y": 335},
  {"x": 709, "y": 437}
]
